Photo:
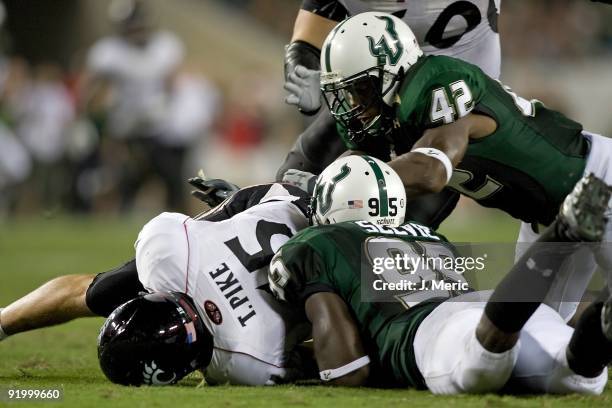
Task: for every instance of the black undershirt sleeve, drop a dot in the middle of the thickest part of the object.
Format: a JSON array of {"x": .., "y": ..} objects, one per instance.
[
  {"x": 111, "y": 289},
  {"x": 331, "y": 9}
]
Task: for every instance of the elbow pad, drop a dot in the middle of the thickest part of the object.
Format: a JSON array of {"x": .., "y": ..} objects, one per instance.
[{"x": 301, "y": 53}]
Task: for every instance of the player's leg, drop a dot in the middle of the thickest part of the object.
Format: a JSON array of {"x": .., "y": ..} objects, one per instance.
[
  {"x": 489, "y": 342},
  {"x": 554, "y": 358},
  {"x": 69, "y": 297},
  {"x": 57, "y": 301},
  {"x": 136, "y": 168},
  {"x": 169, "y": 164},
  {"x": 572, "y": 278},
  {"x": 449, "y": 356},
  {"x": 513, "y": 302},
  {"x": 590, "y": 348}
]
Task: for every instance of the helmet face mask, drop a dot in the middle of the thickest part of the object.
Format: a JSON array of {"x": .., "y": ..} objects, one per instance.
[
  {"x": 155, "y": 339},
  {"x": 357, "y": 103}
]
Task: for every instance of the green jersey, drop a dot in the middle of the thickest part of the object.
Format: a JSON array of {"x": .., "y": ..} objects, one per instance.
[
  {"x": 340, "y": 258},
  {"x": 526, "y": 167}
]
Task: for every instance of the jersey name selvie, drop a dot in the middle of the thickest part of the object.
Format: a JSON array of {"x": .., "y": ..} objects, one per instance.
[
  {"x": 233, "y": 291},
  {"x": 408, "y": 229}
]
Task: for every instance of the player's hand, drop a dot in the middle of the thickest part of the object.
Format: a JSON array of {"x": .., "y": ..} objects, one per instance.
[
  {"x": 303, "y": 85},
  {"x": 302, "y": 179},
  {"x": 212, "y": 191}
]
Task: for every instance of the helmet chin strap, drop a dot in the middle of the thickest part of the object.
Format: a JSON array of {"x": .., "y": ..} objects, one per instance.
[{"x": 397, "y": 80}]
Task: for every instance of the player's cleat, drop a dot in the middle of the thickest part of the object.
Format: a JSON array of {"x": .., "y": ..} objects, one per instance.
[
  {"x": 606, "y": 319},
  {"x": 582, "y": 216}
]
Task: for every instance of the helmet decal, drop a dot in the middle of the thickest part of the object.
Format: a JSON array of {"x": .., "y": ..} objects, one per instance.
[
  {"x": 325, "y": 201},
  {"x": 328, "y": 47},
  {"x": 151, "y": 375},
  {"x": 382, "y": 186},
  {"x": 381, "y": 49}
]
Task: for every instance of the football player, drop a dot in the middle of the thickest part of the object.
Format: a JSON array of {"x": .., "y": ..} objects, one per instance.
[
  {"x": 446, "y": 340},
  {"x": 465, "y": 30},
  {"x": 448, "y": 124},
  {"x": 209, "y": 277},
  {"x": 133, "y": 73}
]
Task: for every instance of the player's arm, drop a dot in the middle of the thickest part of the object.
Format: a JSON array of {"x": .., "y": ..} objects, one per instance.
[
  {"x": 57, "y": 301},
  {"x": 316, "y": 147},
  {"x": 248, "y": 197},
  {"x": 315, "y": 19},
  {"x": 428, "y": 167},
  {"x": 311, "y": 28},
  {"x": 336, "y": 340},
  {"x": 70, "y": 297},
  {"x": 302, "y": 54}
]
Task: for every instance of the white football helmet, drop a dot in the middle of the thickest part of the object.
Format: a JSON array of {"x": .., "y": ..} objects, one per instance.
[
  {"x": 358, "y": 188},
  {"x": 363, "y": 60}
]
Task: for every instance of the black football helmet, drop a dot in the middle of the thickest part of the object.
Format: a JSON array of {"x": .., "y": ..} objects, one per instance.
[{"x": 154, "y": 339}]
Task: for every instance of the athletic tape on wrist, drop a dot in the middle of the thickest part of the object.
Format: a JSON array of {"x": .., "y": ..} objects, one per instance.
[
  {"x": 3, "y": 335},
  {"x": 440, "y": 155},
  {"x": 333, "y": 373}
]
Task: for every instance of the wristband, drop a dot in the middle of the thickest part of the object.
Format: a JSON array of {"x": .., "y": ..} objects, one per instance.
[
  {"x": 333, "y": 373},
  {"x": 439, "y": 155}
]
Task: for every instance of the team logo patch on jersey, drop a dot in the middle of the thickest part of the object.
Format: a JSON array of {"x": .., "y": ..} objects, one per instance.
[{"x": 213, "y": 312}]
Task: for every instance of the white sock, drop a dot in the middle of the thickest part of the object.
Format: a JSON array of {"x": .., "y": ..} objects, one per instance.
[{"x": 3, "y": 335}]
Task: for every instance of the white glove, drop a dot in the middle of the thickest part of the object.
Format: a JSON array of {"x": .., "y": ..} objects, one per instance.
[
  {"x": 303, "y": 85},
  {"x": 301, "y": 179}
]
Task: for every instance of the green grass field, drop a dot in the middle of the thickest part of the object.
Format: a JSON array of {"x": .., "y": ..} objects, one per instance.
[{"x": 35, "y": 250}]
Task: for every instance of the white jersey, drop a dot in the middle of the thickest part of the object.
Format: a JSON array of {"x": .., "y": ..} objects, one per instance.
[
  {"x": 462, "y": 29},
  {"x": 139, "y": 76},
  {"x": 15, "y": 162},
  {"x": 223, "y": 267}
]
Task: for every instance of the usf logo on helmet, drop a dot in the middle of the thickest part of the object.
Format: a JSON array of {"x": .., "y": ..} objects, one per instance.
[
  {"x": 358, "y": 188},
  {"x": 381, "y": 49},
  {"x": 324, "y": 190}
]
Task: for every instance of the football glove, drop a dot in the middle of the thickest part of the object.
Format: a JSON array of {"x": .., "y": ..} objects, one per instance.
[
  {"x": 301, "y": 179},
  {"x": 212, "y": 191},
  {"x": 303, "y": 85}
]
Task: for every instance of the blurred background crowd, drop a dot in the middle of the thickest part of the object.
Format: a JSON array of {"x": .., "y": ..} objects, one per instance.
[{"x": 107, "y": 107}]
